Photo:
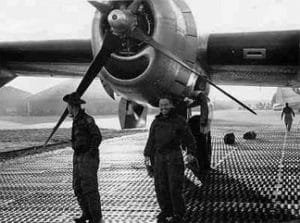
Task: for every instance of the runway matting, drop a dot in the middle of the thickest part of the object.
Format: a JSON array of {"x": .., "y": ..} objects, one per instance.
[{"x": 253, "y": 181}]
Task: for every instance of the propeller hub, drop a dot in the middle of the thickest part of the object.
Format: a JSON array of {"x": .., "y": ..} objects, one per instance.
[{"x": 121, "y": 21}]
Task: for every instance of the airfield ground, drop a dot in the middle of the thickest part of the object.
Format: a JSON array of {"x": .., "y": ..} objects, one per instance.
[{"x": 253, "y": 181}]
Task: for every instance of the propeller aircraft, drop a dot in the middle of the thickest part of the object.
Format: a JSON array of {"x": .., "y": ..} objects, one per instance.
[{"x": 144, "y": 49}]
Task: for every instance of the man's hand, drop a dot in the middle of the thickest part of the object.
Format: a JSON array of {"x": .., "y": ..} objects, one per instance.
[
  {"x": 148, "y": 166},
  {"x": 189, "y": 158},
  {"x": 147, "y": 161}
]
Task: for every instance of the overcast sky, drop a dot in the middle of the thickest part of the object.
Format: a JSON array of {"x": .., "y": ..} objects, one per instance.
[{"x": 65, "y": 19}]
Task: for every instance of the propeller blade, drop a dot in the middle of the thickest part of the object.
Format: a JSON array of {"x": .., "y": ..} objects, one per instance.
[
  {"x": 103, "y": 8},
  {"x": 134, "y": 6},
  {"x": 138, "y": 34},
  {"x": 111, "y": 43},
  {"x": 61, "y": 119}
]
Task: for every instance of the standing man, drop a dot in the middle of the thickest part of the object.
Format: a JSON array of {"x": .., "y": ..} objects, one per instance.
[
  {"x": 86, "y": 138},
  {"x": 169, "y": 133},
  {"x": 201, "y": 129},
  {"x": 288, "y": 116}
]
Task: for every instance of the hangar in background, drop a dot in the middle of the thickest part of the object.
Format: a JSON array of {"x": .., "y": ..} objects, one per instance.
[
  {"x": 14, "y": 101},
  {"x": 49, "y": 101}
]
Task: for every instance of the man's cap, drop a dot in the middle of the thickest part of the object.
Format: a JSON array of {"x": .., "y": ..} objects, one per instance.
[{"x": 73, "y": 99}]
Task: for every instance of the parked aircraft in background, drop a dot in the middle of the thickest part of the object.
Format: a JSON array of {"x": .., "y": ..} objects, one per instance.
[{"x": 149, "y": 48}]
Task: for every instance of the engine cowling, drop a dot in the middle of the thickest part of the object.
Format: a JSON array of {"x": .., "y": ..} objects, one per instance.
[{"x": 139, "y": 72}]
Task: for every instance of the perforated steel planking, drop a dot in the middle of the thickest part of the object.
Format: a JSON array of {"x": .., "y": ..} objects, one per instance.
[{"x": 253, "y": 181}]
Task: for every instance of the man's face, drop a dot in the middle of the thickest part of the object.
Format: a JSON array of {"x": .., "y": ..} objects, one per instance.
[
  {"x": 165, "y": 106},
  {"x": 71, "y": 109}
]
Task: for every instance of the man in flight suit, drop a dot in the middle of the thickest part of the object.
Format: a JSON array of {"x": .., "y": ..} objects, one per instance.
[
  {"x": 288, "y": 116},
  {"x": 169, "y": 133},
  {"x": 86, "y": 138}
]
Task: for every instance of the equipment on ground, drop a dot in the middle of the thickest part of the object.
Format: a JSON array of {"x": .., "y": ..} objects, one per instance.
[
  {"x": 229, "y": 139},
  {"x": 249, "y": 135}
]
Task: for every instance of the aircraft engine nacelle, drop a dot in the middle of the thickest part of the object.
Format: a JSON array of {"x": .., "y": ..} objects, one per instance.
[{"x": 139, "y": 72}]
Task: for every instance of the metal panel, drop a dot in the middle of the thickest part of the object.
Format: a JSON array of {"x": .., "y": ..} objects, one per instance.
[
  {"x": 254, "y": 53},
  {"x": 276, "y": 48},
  {"x": 191, "y": 28},
  {"x": 190, "y": 37},
  {"x": 191, "y": 46}
]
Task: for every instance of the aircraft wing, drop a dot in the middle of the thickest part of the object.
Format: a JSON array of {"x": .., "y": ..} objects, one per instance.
[
  {"x": 45, "y": 58},
  {"x": 258, "y": 58}
]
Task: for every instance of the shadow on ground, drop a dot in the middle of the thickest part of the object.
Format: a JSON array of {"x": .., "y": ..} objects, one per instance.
[{"x": 224, "y": 199}]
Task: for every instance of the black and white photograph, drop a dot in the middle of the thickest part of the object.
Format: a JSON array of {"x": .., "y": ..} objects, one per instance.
[{"x": 149, "y": 111}]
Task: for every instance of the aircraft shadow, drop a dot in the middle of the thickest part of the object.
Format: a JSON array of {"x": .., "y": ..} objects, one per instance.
[{"x": 222, "y": 198}]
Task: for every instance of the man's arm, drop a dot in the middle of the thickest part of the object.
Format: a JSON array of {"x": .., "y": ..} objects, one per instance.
[
  {"x": 148, "y": 151},
  {"x": 293, "y": 112},
  {"x": 188, "y": 140},
  {"x": 95, "y": 134}
]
